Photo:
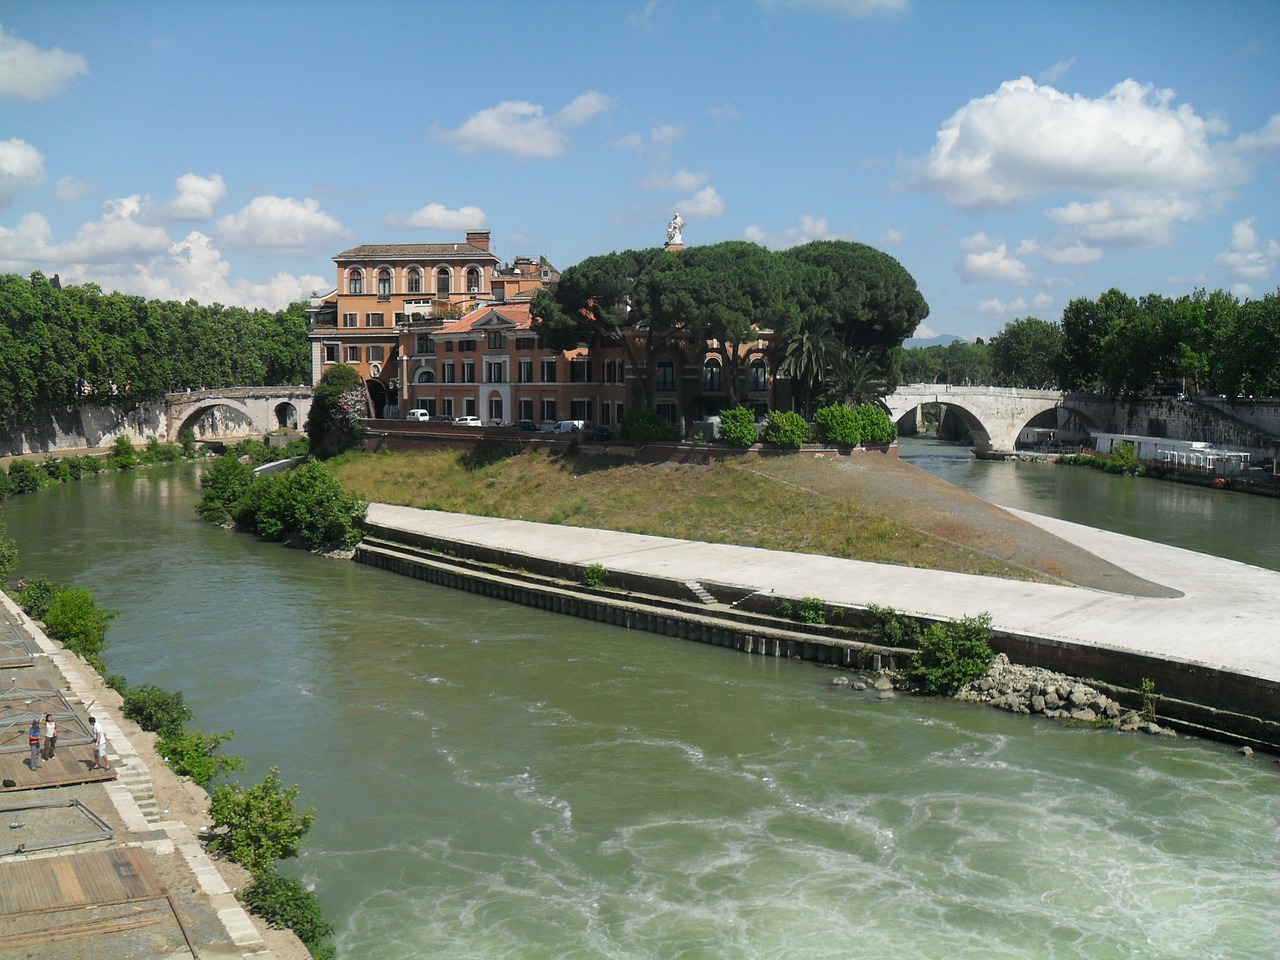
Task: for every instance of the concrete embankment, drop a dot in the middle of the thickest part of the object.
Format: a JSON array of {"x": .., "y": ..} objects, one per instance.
[{"x": 1207, "y": 650}]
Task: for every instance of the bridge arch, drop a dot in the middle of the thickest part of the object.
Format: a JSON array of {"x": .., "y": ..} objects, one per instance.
[
  {"x": 219, "y": 418},
  {"x": 994, "y": 416},
  {"x": 286, "y": 415}
]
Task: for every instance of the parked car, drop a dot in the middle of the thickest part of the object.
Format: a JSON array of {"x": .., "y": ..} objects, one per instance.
[
  {"x": 419, "y": 415},
  {"x": 441, "y": 418},
  {"x": 568, "y": 426},
  {"x": 598, "y": 434},
  {"x": 469, "y": 422}
]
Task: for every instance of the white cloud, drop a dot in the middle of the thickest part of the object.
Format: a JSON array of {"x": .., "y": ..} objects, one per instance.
[
  {"x": 677, "y": 182},
  {"x": 1042, "y": 301},
  {"x": 666, "y": 134},
  {"x": 1074, "y": 255},
  {"x": 281, "y": 223},
  {"x": 1245, "y": 257},
  {"x": 1058, "y": 70},
  {"x": 703, "y": 205},
  {"x": 724, "y": 112},
  {"x": 1266, "y": 139},
  {"x": 70, "y": 189},
  {"x": 521, "y": 128},
  {"x": 999, "y": 306},
  {"x": 29, "y": 73},
  {"x": 811, "y": 228},
  {"x": 987, "y": 260},
  {"x": 122, "y": 233},
  {"x": 923, "y": 332},
  {"x": 196, "y": 197},
  {"x": 849, "y": 8},
  {"x": 1134, "y": 221},
  {"x": 892, "y": 237},
  {"x": 436, "y": 216},
  {"x": 21, "y": 166}
]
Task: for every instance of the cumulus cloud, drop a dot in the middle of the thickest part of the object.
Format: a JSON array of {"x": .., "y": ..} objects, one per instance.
[
  {"x": 1073, "y": 255},
  {"x": 21, "y": 166},
  {"x": 660, "y": 137},
  {"x": 811, "y": 228},
  {"x": 988, "y": 260},
  {"x": 195, "y": 197},
  {"x": 1057, "y": 71},
  {"x": 703, "y": 205},
  {"x": 436, "y": 216},
  {"x": 857, "y": 9},
  {"x": 29, "y": 73},
  {"x": 1246, "y": 258},
  {"x": 280, "y": 223},
  {"x": 1135, "y": 221},
  {"x": 677, "y": 182},
  {"x": 891, "y": 237},
  {"x": 522, "y": 128},
  {"x": 69, "y": 189}
]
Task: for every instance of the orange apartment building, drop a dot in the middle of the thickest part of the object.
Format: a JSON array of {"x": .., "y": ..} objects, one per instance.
[{"x": 445, "y": 327}]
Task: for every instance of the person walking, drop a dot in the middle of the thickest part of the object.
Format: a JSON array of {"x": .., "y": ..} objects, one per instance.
[
  {"x": 50, "y": 736},
  {"x": 99, "y": 746},
  {"x": 33, "y": 737}
]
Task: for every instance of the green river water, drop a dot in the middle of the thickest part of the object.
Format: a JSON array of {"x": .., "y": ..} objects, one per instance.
[{"x": 492, "y": 781}]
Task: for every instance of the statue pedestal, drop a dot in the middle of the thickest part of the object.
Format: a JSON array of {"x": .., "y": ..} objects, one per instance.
[{"x": 675, "y": 246}]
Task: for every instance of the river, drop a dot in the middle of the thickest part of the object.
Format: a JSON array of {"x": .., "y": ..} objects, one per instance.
[{"x": 492, "y": 781}]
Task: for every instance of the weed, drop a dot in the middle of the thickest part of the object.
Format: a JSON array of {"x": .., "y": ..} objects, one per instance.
[{"x": 594, "y": 575}]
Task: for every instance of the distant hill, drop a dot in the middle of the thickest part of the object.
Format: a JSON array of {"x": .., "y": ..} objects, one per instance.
[{"x": 941, "y": 340}]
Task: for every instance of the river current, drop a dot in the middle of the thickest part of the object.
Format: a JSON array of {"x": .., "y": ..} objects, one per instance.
[{"x": 492, "y": 781}]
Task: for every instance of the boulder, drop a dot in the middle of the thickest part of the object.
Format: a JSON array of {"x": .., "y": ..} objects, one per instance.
[
  {"x": 883, "y": 683},
  {"x": 1084, "y": 715}
]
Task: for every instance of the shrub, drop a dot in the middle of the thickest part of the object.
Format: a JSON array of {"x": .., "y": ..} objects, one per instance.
[
  {"x": 786, "y": 428},
  {"x": 874, "y": 425},
  {"x": 26, "y": 477},
  {"x": 738, "y": 426},
  {"x": 187, "y": 441},
  {"x": 58, "y": 471},
  {"x": 8, "y": 554},
  {"x": 838, "y": 425},
  {"x": 38, "y": 597},
  {"x": 285, "y": 903},
  {"x": 258, "y": 825},
  {"x": 123, "y": 456},
  {"x": 75, "y": 619},
  {"x": 157, "y": 452},
  {"x": 593, "y": 575},
  {"x": 6, "y": 484},
  {"x": 952, "y": 654},
  {"x": 1124, "y": 460},
  {"x": 314, "y": 507},
  {"x": 156, "y": 710},
  {"x": 646, "y": 426},
  {"x": 812, "y": 610},
  {"x": 224, "y": 484},
  {"x": 896, "y": 629},
  {"x": 193, "y": 754}
]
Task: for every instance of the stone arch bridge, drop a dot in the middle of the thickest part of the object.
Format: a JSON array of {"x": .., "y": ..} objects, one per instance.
[
  {"x": 236, "y": 412},
  {"x": 994, "y": 415}
]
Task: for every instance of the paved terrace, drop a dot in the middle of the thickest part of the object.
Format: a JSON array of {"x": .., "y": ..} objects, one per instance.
[{"x": 1227, "y": 616}]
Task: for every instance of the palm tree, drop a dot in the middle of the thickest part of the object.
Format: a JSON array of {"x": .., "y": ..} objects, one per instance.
[
  {"x": 809, "y": 357},
  {"x": 856, "y": 379}
]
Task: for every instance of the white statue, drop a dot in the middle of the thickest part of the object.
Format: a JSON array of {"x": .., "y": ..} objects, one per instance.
[{"x": 673, "y": 232}]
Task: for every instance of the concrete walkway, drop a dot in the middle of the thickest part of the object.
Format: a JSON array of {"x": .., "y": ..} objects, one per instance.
[{"x": 1228, "y": 616}]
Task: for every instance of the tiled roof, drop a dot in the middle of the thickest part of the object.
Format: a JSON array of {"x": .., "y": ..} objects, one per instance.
[
  {"x": 415, "y": 251},
  {"x": 517, "y": 313}
]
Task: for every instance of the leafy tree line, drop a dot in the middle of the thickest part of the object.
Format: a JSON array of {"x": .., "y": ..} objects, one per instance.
[
  {"x": 1201, "y": 343},
  {"x": 66, "y": 345},
  {"x": 833, "y": 312}
]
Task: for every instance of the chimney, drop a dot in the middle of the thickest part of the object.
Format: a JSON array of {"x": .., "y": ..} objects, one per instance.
[{"x": 478, "y": 238}]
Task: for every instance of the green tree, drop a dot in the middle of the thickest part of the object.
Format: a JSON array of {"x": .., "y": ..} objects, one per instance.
[
  {"x": 812, "y": 351},
  {"x": 337, "y": 404},
  {"x": 8, "y": 553},
  {"x": 1250, "y": 357},
  {"x": 1026, "y": 353},
  {"x": 75, "y": 619},
  {"x": 256, "y": 826},
  {"x": 286, "y": 904},
  {"x": 195, "y": 755},
  {"x": 856, "y": 379}
]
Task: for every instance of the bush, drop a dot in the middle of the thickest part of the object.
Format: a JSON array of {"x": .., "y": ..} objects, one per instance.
[
  {"x": 646, "y": 426},
  {"x": 192, "y": 754},
  {"x": 157, "y": 452},
  {"x": 593, "y": 575},
  {"x": 26, "y": 477},
  {"x": 952, "y": 654},
  {"x": 8, "y": 554},
  {"x": 738, "y": 426},
  {"x": 874, "y": 426},
  {"x": 75, "y": 619},
  {"x": 224, "y": 484},
  {"x": 786, "y": 428},
  {"x": 187, "y": 440},
  {"x": 156, "y": 710},
  {"x": 58, "y": 471},
  {"x": 285, "y": 903},
  {"x": 838, "y": 425},
  {"x": 258, "y": 825},
  {"x": 123, "y": 456},
  {"x": 38, "y": 597}
]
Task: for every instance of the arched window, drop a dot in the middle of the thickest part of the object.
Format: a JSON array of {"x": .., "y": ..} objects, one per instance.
[
  {"x": 711, "y": 376},
  {"x": 758, "y": 375},
  {"x": 384, "y": 282},
  {"x": 355, "y": 281},
  {"x": 473, "y": 280},
  {"x": 414, "y": 280},
  {"x": 666, "y": 375},
  {"x": 442, "y": 282},
  {"x": 425, "y": 375}
]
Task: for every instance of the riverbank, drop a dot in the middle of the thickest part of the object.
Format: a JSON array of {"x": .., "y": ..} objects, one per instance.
[{"x": 146, "y": 807}]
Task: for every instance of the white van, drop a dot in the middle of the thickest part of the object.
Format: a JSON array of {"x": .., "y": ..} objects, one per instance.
[
  {"x": 419, "y": 414},
  {"x": 568, "y": 426}
]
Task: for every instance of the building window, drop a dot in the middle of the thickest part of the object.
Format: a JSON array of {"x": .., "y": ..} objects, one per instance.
[
  {"x": 526, "y": 343},
  {"x": 495, "y": 408},
  {"x": 353, "y": 354},
  {"x": 496, "y": 339},
  {"x": 350, "y": 319},
  {"x": 757, "y": 375},
  {"x": 466, "y": 346},
  {"x": 580, "y": 410},
  {"x": 376, "y": 352},
  {"x": 666, "y": 375},
  {"x": 473, "y": 280},
  {"x": 604, "y": 414},
  {"x": 526, "y": 370},
  {"x": 468, "y": 371},
  {"x": 526, "y": 408},
  {"x": 446, "y": 406},
  {"x": 468, "y": 406},
  {"x": 384, "y": 284},
  {"x": 448, "y": 346},
  {"x": 548, "y": 410},
  {"x": 579, "y": 370},
  {"x": 414, "y": 280},
  {"x": 355, "y": 282},
  {"x": 331, "y": 352},
  {"x": 711, "y": 376},
  {"x": 447, "y": 372},
  {"x": 422, "y": 341},
  {"x": 374, "y": 319},
  {"x": 613, "y": 371},
  {"x": 548, "y": 371},
  {"x": 617, "y": 413},
  {"x": 666, "y": 410},
  {"x": 426, "y": 375},
  {"x": 442, "y": 282},
  {"x": 497, "y": 371}
]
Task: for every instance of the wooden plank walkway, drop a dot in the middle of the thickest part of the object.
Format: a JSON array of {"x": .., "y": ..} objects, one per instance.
[
  {"x": 91, "y": 878},
  {"x": 71, "y": 765}
]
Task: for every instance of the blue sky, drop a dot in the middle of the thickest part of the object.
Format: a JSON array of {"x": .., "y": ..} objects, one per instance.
[{"x": 1011, "y": 155}]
